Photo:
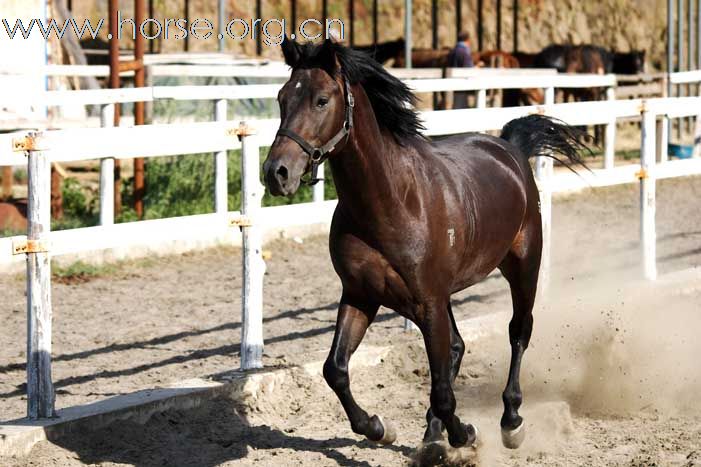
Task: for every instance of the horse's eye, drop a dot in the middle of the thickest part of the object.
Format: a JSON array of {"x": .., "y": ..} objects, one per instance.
[{"x": 322, "y": 101}]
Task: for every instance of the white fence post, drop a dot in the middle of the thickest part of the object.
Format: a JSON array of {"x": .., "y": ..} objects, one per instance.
[
  {"x": 610, "y": 136},
  {"x": 482, "y": 99},
  {"x": 40, "y": 389},
  {"x": 648, "y": 236},
  {"x": 543, "y": 173},
  {"x": 663, "y": 139},
  {"x": 318, "y": 190},
  {"x": 107, "y": 173},
  {"x": 221, "y": 195},
  {"x": 253, "y": 264}
]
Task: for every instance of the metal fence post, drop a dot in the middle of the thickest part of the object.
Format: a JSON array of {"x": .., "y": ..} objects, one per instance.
[
  {"x": 107, "y": 172},
  {"x": 253, "y": 264},
  {"x": 40, "y": 389},
  {"x": 610, "y": 136},
  {"x": 648, "y": 236},
  {"x": 221, "y": 195}
]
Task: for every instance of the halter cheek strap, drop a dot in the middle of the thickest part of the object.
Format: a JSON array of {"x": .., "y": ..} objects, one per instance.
[{"x": 317, "y": 155}]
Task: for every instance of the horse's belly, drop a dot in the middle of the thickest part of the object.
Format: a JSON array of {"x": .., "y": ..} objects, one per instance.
[{"x": 493, "y": 238}]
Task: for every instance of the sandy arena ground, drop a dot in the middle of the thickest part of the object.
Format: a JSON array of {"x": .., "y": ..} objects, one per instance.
[{"x": 609, "y": 379}]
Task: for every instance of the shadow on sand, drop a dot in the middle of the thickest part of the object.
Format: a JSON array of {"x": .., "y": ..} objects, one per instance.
[{"x": 208, "y": 435}]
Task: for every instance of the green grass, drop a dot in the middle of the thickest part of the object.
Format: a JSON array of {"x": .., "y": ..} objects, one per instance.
[
  {"x": 79, "y": 206},
  {"x": 11, "y": 232},
  {"x": 184, "y": 185},
  {"x": 80, "y": 272},
  {"x": 20, "y": 175}
]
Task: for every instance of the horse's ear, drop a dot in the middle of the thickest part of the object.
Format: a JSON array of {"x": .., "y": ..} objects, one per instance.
[
  {"x": 327, "y": 57},
  {"x": 290, "y": 50}
]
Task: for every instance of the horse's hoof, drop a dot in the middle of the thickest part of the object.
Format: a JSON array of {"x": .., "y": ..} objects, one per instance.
[
  {"x": 512, "y": 439},
  {"x": 470, "y": 438},
  {"x": 478, "y": 438},
  {"x": 390, "y": 434}
]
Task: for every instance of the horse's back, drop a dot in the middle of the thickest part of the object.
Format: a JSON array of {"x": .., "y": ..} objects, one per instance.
[{"x": 479, "y": 155}]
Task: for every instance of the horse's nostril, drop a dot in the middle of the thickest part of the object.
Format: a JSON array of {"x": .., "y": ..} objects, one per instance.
[{"x": 282, "y": 173}]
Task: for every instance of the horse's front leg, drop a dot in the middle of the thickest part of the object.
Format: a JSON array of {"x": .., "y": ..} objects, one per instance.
[
  {"x": 353, "y": 320},
  {"x": 435, "y": 324},
  {"x": 434, "y": 429}
]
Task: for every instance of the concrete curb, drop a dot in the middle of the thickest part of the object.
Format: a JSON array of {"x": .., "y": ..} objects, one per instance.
[{"x": 18, "y": 437}]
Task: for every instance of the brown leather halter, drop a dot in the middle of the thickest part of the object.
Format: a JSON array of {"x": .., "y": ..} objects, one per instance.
[{"x": 318, "y": 155}]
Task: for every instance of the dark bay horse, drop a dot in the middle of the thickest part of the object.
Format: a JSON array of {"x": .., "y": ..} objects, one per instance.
[
  {"x": 383, "y": 52},
  {"x": 628, "y": 63},
  {"x": 416, "y": 220}
]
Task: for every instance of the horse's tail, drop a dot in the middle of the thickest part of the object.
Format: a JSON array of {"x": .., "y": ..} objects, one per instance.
[{"x": 537, "y": 135}]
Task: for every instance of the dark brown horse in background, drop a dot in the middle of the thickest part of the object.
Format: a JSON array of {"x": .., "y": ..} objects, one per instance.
[
  {"x": 576, "y": 59},
  {"x": 383, "y": 52},
  {"x": 416, "y": 220},
  {"x": 510, "y": 97},
  {"x": 425, "y": 58}
]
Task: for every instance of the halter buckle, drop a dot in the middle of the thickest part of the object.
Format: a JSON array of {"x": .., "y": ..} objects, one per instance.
[{"x": 316, "y": 155}]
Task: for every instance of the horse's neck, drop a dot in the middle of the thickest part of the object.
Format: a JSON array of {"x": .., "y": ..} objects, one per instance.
[{"x": 365, "y": 171}]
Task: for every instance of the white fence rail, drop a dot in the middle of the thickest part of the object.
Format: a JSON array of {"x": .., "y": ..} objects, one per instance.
[
  {"x": 270, "y": 91},
  {"x": 273, "y": 70},
  {"x": 479, "y": 80}
]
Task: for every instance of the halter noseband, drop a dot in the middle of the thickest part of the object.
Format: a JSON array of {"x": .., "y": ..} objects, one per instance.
[{"x": 318, "y": 155}]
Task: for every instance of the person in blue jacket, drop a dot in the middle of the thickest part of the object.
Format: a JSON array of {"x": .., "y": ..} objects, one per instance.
[{"x": 461, "y": 57}]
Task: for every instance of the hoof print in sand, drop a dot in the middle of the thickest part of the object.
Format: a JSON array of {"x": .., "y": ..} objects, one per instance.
[{"x": 443, "y": 454}]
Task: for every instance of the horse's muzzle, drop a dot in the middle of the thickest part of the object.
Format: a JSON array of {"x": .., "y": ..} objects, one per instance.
[{"x": 278, "y": 179}]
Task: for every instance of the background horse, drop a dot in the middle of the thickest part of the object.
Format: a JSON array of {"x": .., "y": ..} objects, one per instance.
[
  {"x": 416, "y": 220},
  {"x": 628, "y": 63},
  {"x": 425, "y": 58},
  {"x": 383, "y": 52},
  {"x": 510, "y": 97},
  {"x": 585, "y": 58}
]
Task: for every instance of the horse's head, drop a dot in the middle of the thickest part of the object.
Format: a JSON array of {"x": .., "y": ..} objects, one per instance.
[
  {"x": 638, "y": 61},
  {"x": 315, "y": 115}
]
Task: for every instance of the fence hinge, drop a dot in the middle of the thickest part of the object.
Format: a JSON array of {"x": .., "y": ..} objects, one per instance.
[
  {"x": 642, "y": 174},
  {"x": 240, "y": 221},
  {"x": 28, "y": 142},
  {"x": 242, "y": 130},
  {"x": 21, "y": 246}
]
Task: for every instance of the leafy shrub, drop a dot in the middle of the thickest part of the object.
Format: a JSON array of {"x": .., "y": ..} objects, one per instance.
[
  {"x": 79, "y": 206},
  {"x": 184, "y": 185}
]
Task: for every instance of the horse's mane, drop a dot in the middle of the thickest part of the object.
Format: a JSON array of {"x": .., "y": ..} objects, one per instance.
[{"x": 391, "y": 99}]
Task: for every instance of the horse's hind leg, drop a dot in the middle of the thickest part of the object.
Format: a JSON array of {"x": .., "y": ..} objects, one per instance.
[
  {"x": 520, "y": 267},
  {"x": 434, "y": 430},
  {"x": 352, "y": 322}
]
